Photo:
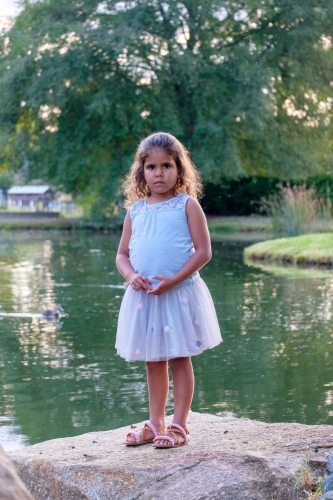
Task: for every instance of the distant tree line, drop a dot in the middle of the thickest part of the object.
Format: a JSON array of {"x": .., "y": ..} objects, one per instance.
[
  {"x": 246, "y": 195},
  {"x": 245, "y": 85}
]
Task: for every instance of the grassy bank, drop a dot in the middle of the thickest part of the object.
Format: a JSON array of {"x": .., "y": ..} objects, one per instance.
[
  {"x": 309, "y": 249},
  {"x": 219, "y": 225},
  {"x": 60, "y": 224}
]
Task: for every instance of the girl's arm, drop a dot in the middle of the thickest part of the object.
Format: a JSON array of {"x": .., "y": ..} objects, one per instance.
[
  {"x": 201, "y": 241},
  {"x": 137, "y": 281}
]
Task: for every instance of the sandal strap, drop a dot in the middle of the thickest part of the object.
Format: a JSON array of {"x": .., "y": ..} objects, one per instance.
[
  {"x": 140, "y": 436},
  {"x": 165, "y": 438},
  {"x": 179, "y": 429},
  {"x": 136, "y": 435},
  {"x": 151, "y": 426}
]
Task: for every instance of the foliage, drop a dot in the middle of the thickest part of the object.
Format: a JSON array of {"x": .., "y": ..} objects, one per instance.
[
  {"x": 6, "y": 181},
  {"x": 247, "y": 89},
  {"x": 298, "y": 210},
  {"x": 243, "y": 196},
  {"x": 240, "y": 196},
  {"x": 323, "y": 185}
]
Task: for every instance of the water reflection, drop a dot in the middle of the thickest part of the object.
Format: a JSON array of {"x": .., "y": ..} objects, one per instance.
[
  {"x": 11, "y": 436},
  {"x": 290, "y": 270},
  {"x": 64, "y": 378}
]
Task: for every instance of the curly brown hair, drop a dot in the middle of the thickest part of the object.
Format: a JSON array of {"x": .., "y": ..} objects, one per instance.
[{"x": 188, "y": 182}]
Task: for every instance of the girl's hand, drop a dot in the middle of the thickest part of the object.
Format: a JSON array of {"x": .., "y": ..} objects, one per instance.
[
  {"x": 166, "y": 282},
  {"x": 139, "y": 282}
]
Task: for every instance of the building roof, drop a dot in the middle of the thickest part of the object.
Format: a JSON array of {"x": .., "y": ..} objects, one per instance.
[{"x": 28, "y": 189}]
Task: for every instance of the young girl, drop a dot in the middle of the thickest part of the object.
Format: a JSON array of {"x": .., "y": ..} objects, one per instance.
[{"x": 167, "y": 314}]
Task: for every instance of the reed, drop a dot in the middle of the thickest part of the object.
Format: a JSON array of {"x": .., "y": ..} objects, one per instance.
[
  {"x": 298, "y": 210},
  {"x": 310, "y": 485}
]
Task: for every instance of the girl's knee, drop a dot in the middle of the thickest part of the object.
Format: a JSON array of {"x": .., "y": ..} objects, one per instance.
[
  {"x": 156, "y": 365},
  {"x": 177, "y": 363}
]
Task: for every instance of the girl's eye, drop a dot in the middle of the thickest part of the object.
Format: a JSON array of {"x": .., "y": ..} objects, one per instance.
[{"x": 166, "y": 165}]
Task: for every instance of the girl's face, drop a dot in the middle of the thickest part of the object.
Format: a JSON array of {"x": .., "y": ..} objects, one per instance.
[{"x": 161, "y": 173}]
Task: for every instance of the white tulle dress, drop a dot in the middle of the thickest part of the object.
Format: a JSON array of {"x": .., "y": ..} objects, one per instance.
[{"x": 182, "y": 321}]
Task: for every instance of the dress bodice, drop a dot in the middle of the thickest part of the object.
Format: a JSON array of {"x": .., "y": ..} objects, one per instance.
[{"x": 161, "y": 241}]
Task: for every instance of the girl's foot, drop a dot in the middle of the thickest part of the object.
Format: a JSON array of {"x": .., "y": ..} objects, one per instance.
[
  {"x": 144, "y": 436},
  {"x": 176, "y": 436}
]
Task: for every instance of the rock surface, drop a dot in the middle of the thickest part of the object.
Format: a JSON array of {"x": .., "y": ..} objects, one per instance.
[
  {"x": 328, "y": 483},
  {"x": 227, "y": 458},
  {"x": 329, "y": 465},
  {"x": 11, "y": 486}
]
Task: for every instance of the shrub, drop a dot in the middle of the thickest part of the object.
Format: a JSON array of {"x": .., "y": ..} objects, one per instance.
[
  {"x": 298, "y": 210},
  {"x": 243, "y": 196}
]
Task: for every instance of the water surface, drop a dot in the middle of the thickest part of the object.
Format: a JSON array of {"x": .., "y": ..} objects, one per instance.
[{"x": 64, "y": 378}]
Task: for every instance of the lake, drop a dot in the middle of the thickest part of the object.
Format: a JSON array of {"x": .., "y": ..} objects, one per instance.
[{"x": 64, "y": 378}]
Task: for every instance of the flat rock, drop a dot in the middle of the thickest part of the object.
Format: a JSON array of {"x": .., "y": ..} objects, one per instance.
[
  {"x": 227, "y": 458},
  {"x": 11, "y": 486}
]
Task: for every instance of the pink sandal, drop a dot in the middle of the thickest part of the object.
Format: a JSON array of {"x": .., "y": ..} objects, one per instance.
[
  {"x": 174, "y": 441},
  {"x": 141, "y": 435}
]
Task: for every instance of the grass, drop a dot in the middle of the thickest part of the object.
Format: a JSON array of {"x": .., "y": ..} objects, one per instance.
[
  {"x": 35, "y": 224},
  {"x": 308, "y": 249},
  {"x": 310, "y": 484},
  {"x": 219, "y": 225},
  {"x": 60, "y": 224},
  {"x": 298, "y": 210}
]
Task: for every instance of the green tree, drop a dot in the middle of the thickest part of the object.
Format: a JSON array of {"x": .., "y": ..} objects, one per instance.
[
  {"x": 6, "y": 182},
  {"x": 245, "y": 86}
]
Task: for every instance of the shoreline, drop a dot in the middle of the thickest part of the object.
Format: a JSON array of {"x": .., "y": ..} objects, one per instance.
[
  {"x": 219, "y": 226},
  {"x": 59, "y": 225},
  {"x": 309, "y": 250}
]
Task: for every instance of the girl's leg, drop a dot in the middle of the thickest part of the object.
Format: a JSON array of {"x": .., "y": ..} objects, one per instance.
[
  {"x": 158, "y": 387},
  {"x": 183, "y": 387}
]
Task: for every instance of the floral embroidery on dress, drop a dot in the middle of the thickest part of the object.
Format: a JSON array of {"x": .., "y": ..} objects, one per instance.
[{"x": 141, "y": 206}]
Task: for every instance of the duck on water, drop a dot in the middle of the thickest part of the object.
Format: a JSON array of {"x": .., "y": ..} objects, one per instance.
[{"x": 51, "y": 313}]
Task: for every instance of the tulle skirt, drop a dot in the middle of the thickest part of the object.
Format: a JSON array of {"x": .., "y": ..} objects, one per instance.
[{"x": 181, "y": 322}]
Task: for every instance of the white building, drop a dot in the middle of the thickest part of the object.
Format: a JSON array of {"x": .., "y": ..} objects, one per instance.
[{"x": 29, "y": 196}]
